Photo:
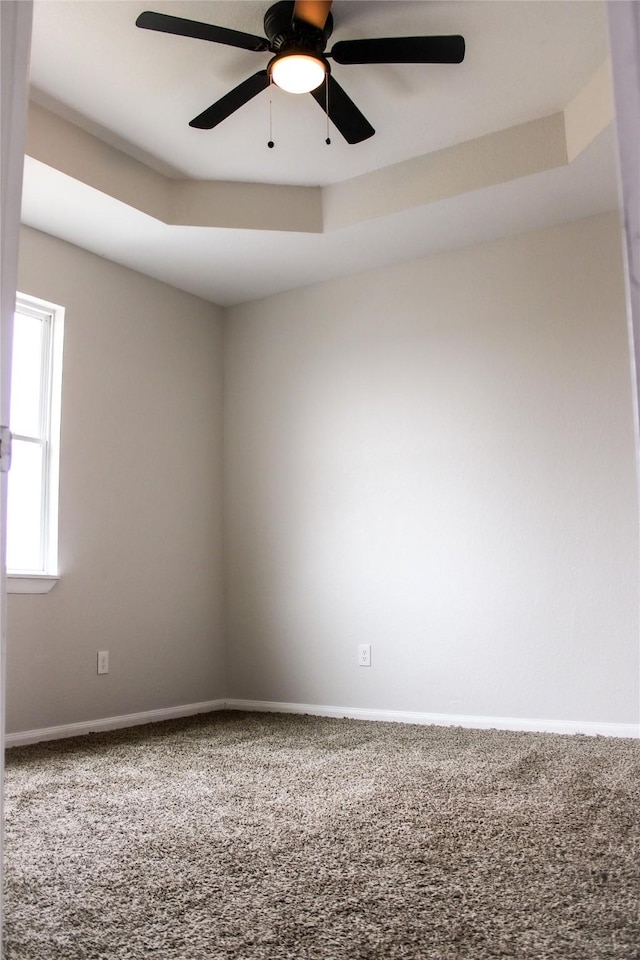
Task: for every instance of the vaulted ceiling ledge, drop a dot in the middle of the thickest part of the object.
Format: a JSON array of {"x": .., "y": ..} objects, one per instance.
[{"x": 519, "y": 151}]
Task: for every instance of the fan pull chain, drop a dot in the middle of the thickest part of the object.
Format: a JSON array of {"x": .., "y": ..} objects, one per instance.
[
  {"x": 326, "y": 104},
  {"x": 270, "y": 143}
]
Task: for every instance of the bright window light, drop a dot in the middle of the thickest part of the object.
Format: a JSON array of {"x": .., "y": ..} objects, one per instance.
[{"x": 36, "y": 381}]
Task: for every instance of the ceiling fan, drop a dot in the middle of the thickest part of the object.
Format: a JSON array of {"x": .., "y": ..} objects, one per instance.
[{"x": 297, "y": 34}]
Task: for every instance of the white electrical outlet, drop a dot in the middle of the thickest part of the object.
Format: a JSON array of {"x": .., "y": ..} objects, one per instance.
[
  {"x": 103, "y": 661},
  {"x": 364, "y": 654}
]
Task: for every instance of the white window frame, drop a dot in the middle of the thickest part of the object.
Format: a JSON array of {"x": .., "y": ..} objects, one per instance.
[{"x": 52, "y": 315}]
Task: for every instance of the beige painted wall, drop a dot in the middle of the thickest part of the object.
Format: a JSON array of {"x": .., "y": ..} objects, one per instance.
[
  {"x": 438, "y": 459},
  {"x": 140, "y": 506}
]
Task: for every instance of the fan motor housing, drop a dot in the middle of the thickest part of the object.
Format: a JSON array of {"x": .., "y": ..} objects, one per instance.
[{"x": 285, "y": 33}]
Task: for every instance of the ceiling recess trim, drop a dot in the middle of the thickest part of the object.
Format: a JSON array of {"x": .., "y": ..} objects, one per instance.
[{"x": 519, "y": 151}]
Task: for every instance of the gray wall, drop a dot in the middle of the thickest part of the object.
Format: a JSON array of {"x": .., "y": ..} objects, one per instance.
[
  {"x": 438, "y": 459},
  {"x": 140, "y": 504}
]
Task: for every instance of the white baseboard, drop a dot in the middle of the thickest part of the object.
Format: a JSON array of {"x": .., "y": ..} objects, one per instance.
[
  {"x": 589, "y": 727},
  {"x": 111, "y": 723}
]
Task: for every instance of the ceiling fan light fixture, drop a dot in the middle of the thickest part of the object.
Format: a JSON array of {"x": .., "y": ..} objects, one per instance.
[{"x": 298, "y": 72}]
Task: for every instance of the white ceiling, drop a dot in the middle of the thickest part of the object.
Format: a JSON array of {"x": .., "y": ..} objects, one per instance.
[{"x": 136, "y": 90}]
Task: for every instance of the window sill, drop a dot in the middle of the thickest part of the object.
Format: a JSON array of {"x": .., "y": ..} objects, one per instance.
[{"x": 30, "y": 582}]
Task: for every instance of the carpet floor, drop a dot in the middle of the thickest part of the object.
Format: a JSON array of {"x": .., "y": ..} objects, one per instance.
[{"x": 244, "y": 836}]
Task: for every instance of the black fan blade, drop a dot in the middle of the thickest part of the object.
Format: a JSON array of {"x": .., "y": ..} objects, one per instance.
[
  {"x": 343, "y": 112},
  {"x": 200, "y": 31},
  {"x": 400, "y": 50},
  {"x": 231, "y": 101}
]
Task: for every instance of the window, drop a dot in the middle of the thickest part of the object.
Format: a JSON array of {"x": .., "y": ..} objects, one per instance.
[{"x": 32, "y": 508}]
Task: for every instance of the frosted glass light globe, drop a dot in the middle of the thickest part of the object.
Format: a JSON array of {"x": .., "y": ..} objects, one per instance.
[{"x": 298, "y": 73}]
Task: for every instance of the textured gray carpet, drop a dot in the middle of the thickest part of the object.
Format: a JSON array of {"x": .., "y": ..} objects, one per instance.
[{"x": 256, "y": 837}]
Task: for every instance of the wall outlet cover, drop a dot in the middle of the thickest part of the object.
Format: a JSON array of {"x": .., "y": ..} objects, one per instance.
[
  {"x": 364, "y": 654},
  {"x": 103, "y": 661}
]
